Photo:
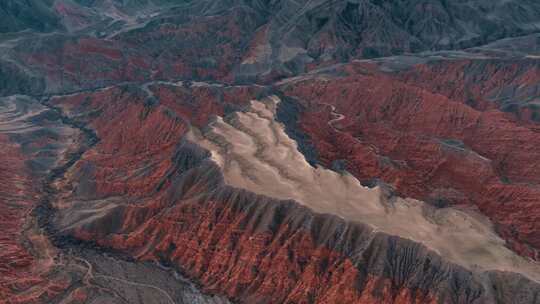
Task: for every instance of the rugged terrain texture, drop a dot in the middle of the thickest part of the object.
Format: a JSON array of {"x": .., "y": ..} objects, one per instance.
[
  {"x": 249, "y": 247},
  {"x": 103, "y": 42},
  {"x": 32, "y": 141},
  {"x": 448, "y": 147},
  {"x": 399, "y": 166},
  {"x": 38, "y": 145}
]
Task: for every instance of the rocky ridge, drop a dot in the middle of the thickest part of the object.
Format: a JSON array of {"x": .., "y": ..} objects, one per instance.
[{"x": 441, "y": 96}]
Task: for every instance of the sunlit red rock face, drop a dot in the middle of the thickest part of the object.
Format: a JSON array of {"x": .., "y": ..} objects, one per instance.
[
  {"x": 452, "y": 128},
  {"x": 427, "y": 142},
  {"x": 215, "y": 240},
  {"x": 37, "y": 143},
  {"x": 172, "y": 206},
  {"x": 139, "y": 134},
  {"x": 139, "y": 137}
]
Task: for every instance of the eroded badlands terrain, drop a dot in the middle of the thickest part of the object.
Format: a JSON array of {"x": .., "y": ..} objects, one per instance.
[{"x": 161, "y": 151}]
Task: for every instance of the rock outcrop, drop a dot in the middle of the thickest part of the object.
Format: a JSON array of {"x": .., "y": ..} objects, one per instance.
[
  {"x": 427, "y": 145},
  {"x": 249, "y": 247},
  {"x": 400, "y": 166}
]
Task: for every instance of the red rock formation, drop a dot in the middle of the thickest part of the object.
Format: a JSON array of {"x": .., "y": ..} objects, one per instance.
[
  {"x": 212, "y": 244},
  {"x": 137, "y": 140},
  {"x": 483, "y": 84},
  {"x": 209, "y": 242},
  {"x": 258, "y": 250},
  {"x": 24, "y": 264},
  {"x": 459, "y": 132},
  {"x": 204, "y": 49},
  {"x": 197, "y": 104},
  {"x": 15, "y": 202},
  {"x": 251, "y": 248},
  {"x": 429, "y": 147}
]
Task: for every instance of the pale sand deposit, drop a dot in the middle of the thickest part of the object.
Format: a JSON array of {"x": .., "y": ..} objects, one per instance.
[{"x": 256, "y": 154}]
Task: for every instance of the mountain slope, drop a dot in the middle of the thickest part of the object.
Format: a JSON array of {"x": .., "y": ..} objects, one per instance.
[
  {"x": 36, "y": 15},
  {"x": 270, "y": 151}
]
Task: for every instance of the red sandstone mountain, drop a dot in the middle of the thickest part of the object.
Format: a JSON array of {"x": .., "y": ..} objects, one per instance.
[{"x": 160, "y": 151}]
